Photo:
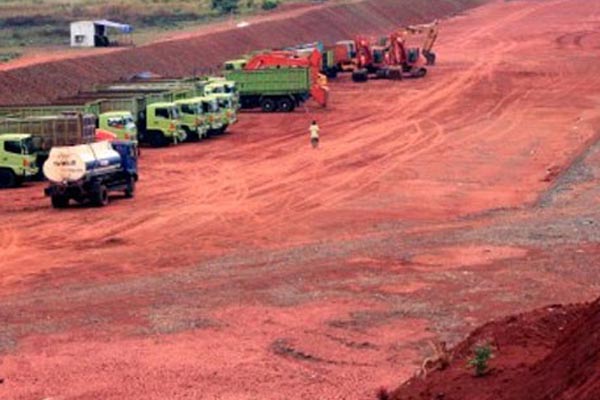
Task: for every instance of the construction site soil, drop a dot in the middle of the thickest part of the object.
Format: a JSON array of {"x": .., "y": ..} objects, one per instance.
[
  {"x": 250, "y": 266},
  {"x": 551, "y": 353}
]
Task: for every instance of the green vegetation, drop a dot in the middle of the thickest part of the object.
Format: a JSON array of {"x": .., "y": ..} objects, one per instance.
[
  {"x": 35, "y": 23},
  {"x": 482, "y": 354},
  {"x": 270, "y": 4},
  {"x": 11, "y": 55}
]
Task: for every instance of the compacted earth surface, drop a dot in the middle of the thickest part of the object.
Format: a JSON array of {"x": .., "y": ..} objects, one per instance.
[{"x": 250, "y": 266}]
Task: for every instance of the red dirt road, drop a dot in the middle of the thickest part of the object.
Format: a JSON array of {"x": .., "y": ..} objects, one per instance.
[{"x": 250, "y": 266}]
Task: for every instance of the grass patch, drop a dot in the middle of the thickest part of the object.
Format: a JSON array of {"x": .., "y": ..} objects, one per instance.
[
  {"x": 38, "y": 23},
  {"x": 6, "y": 57}
]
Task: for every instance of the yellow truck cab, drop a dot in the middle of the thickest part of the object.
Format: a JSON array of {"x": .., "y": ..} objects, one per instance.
[
  {"x": 163, "y": 124},
  {"x": 121, "y": 123},
  {"x": 17, "y": 159},
  {"x": 220, "y": 85},
  {"x": 210, "y": 106},
  {"x": 193, "y": 118}
]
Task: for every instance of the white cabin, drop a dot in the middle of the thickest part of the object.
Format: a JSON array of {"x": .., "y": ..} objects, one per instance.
[{"x": 95, "y": 33}]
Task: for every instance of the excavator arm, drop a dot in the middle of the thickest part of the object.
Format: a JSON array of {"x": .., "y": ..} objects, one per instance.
[{"x": 430, "y": 32}]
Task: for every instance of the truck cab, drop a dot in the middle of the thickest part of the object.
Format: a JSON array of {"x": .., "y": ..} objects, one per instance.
[
  {"x": 163, "y": 124},
  {"x": 121, "y": 123},
  {"x": 220, "y": 85},
  {"x": 213, "y": 112},
  {"x": 17, "y": 159},
  {"x": 235, "y": 64},
  {"x": 193, "y": 118}
]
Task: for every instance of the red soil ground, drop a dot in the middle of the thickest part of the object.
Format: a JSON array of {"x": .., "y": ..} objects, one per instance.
[
  {"x": 208, "y": 48},
  {"x": 551, "y": 353},
  {"x": 250, "y": 266}
]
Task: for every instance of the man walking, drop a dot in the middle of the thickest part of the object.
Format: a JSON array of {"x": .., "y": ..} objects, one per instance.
[{"x": 314, "y": 134}]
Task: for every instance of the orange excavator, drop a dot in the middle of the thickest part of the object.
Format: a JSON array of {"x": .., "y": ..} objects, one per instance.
[
  {"x": 290, "y": 59},
  {"x": 430, "y": 33},
  {"x": 391, "y": 60}
]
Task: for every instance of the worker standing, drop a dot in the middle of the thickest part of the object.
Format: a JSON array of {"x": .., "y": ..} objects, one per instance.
[{"x": 314, "y": 134}]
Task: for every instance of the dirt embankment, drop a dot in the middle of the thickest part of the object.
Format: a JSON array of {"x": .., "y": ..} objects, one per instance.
[
  {"x": 550, "y": 353},
  {"x": 43, "y": 82}
]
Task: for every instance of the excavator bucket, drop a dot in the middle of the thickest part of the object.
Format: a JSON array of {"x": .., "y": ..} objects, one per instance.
[{"x": 320, "y": 94}]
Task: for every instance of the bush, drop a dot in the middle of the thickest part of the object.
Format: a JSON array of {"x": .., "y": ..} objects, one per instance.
[
  {"x": 225, "y": 6},
  {"x": 270, "y": 4},
  {"x": 482, "y": 355}
]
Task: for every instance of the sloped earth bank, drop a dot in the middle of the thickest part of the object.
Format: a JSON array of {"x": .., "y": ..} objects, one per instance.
[
  {"x": 207, "y": 50},
  {"x": 250, "y": 266},
  {"x": 551, "y": 353}
]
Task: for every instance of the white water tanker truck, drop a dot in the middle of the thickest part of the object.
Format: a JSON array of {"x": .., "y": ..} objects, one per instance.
[{"x": 88, "y": 172}]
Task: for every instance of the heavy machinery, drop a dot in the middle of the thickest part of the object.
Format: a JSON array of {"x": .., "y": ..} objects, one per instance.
[
  {"x": 223, "y": 90},
  {"x": 44, "y": 132},
  {"x": 345, "y": 55},
  {"x": 389, "y": 60},
  {"x": 154, "y": 113},
  {"x": 17, "y": 159},
  {"x": 87, "y": 173},
  {"x": 430, "y": 34},
  {"x": 279, "y": 81},
  {"x": 121, "y": 123}
]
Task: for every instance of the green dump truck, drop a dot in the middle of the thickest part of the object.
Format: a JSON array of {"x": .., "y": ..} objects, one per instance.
[
  {"x": 154, "y": 113},
  {"x": 38, "y": 135},
  {"x": 276, "y": 89},
  {"x": 187, "y": 88},
  {"x": 120, "y": 123},
  {"x": 17, "y": 159}
]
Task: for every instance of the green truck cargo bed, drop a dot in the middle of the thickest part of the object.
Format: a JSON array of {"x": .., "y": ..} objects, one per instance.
[{"x": 271, "y": 81}]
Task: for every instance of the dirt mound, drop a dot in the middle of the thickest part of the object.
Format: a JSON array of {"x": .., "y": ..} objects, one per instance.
[
  {"x": 42, "y": 83},
  {"x": 551, "y": 353}
]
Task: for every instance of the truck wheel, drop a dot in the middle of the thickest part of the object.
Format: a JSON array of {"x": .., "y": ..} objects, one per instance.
[
  {"x": 268, "y": 105},
  {"x": 7, "y": 178},
  {"x": 331, "y": 73},
  {"x": 130, "y": 189},
  {"x": 285, "y": 105},
  {"x": 59, "y": 201},
  {"x": 360, "y": 75},
  {"x": 157, "y": 139},
  {"x": 100, "y": 196},
  {"x": 191, "y": 136},
  {"x": 421, "y": 72}
]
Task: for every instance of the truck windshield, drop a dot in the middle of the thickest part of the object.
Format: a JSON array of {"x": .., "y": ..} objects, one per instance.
[
  {"x": 188, "y": 109},
  {"x": 27, "y": 146},
  {"x": 210, "y": 107},
  {"x": 174, "y": 113},
  {"x": 224, "y": 103}
]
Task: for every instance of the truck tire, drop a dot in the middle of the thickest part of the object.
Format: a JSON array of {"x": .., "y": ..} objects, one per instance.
[
  {"x": 130, "y": 189},
  {"x": 8, "y": 178},
  {"x": 360, "y": 75},
  {"x": 268, "y": 105},
  {"x": 285, "y": 105},
  {"x": 191, "y": 136},
  {"x": 419, "y": 73},
  {"x": 331, "y": 73},
  {"x": 157, "y": 139},
  {"x": 100, "y": 196},
  {"x": 59, "y": 201}
]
